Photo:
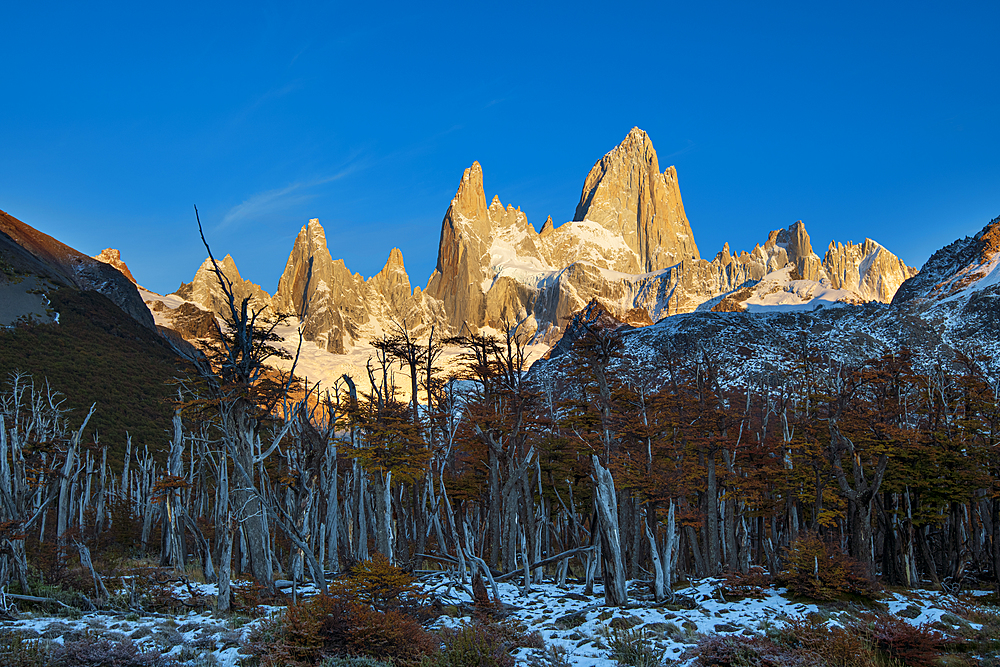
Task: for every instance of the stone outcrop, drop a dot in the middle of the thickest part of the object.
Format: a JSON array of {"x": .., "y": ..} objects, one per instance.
[
  {"x": 798, "y": 248},
  {"x": 322, "y": 293},
  {"x": 866, "y": 268},
  {"x": 465, "y": 233},
  {"x": 191, "y": 321},
  {"x": 338, "y": 308},
  {"x": 391, "y": 293},
  {"x": 967, "y": 265},
  {"x": 114, "y": 258}
]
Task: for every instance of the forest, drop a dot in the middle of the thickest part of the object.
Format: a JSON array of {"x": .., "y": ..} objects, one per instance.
[{"x": 595, "y": 470}]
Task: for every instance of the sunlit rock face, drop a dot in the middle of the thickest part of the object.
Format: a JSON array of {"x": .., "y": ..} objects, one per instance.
[
  {"x": 866, "y": 268},
  {"x": 114, "y": 258},
  {"x": 338, "y": 308},
  {"x": 206, "y": 290},
  {"x": 626, "y": 194},
  {"x": 494, "y": 268}
]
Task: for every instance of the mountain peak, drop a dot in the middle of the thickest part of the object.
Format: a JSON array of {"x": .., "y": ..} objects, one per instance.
[
  {"x": 547, "y": 228},
  {"x": 626, "y": 194},
  {"x": 796, "y": 242},
  {"x": 113, "y": 257},
  {"x": 470, "y": 198},
  {"x": 395, "y": 260}
]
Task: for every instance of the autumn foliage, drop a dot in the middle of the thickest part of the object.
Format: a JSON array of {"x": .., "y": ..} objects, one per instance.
[
  {"x": 362, "y": 616},
  {"x": 820, "y": 570}
]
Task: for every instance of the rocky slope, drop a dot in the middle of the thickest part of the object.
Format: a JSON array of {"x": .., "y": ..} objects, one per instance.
[
  {"x": 630, "y": 245},
  {"x": 27, "y": 251},
  {"x": 947, "y": 310},
  {"x": 958, "y": 293}
]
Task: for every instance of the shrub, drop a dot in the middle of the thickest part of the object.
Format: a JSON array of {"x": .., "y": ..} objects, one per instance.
[
  {"x": 470, "y": 646},
  {"x": 327, "y": 626},
  {"x": 755, "y": 651},
  {"x": 60, "y": 594},
  {"x": 914, "y": 646},
  {"x": 304, "y": 635},
  {"x": 16, "y": 651},
  {"x": 871, "y": 641},
  {"x": 482, "y": 644},
  {"x": 357, "y": 661},
  {"x": 387, "y": 635},
  {"x": 819, "y": 570},
  {"x": 984, "y": 640},
  {"x": 382, "y": 585},
  {"x": 754, "y": 584},
  {"x": 250, "y": 598},
  {"x": 90, "y": 652},
  {"x": 835, "y": 644},
  {"x": 632, "y": 647}
]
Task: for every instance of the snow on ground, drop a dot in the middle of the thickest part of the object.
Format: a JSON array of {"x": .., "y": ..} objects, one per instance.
[
  {"x": 582, "y": 625},
  {"x": 973, "y": 278},
  {"x": 565, "y": 617},
  {"x": 777, "y": 292}
]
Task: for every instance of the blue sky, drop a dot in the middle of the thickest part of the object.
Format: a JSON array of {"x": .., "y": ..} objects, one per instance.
[{"x": 874, "y": 119}]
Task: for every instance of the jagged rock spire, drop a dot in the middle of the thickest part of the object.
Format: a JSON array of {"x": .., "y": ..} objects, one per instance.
[
  {"x": 204, "y": 288},
  {"x": 465, "y": 233},
  {"x": 308, "y": 265},
  {"x": 330, "y": 301},
  {"x": 626, "y": 193}
]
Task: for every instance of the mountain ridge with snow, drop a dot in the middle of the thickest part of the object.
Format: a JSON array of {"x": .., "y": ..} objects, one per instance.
[{"x": 630, "y": 245}]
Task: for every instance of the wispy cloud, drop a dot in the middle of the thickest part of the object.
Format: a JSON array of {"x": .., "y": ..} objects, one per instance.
[
  {"x": 301, "y": 51},
  {"x": 690, "y": 147},
  {"x": 274, "y": 201},
  {"x": 272, "y": 94}
]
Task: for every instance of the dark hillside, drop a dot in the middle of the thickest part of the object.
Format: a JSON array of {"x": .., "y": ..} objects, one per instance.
[
  {"x": 97, "y": 353},
  {"x": 28, "y": 250}
]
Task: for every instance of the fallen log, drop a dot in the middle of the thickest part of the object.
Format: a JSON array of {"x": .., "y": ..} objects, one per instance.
[{"x": 546, "y": 561}]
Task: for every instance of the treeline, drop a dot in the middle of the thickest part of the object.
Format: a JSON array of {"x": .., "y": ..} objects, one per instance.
[{"x": 604, "y": 469}]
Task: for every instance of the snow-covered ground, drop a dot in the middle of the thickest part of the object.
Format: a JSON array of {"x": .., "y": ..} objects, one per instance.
[
  {"x": 578, "y": 624},
  {"x": 777, "y": 292}
]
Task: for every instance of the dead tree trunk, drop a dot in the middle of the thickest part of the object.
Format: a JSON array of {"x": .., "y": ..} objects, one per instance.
[
  {"x": 224, "y": 535},
  {"x": 663, "y": 557},
  {"x": 615, "y": 593},
  {"x": 383, "y": 515},
  {"x": 250, "y": 509},
  {"x": 68, "y": 475}
]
